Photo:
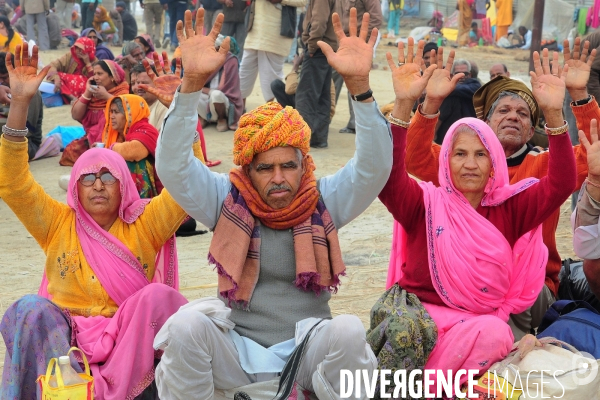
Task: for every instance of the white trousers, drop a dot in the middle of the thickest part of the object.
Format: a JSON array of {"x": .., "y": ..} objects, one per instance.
[
  {"x": 268, "y": 65},
  {"x": 64, "y": 11},
  {"x": 207, "y": 103},
  {"x": 201, "y": 358}
]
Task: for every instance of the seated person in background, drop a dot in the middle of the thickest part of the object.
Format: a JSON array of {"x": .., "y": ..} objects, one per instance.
[
  {"x": 499, "y": 70},
  {"x": 285, "y": 93},
  {"x": 131, "y": 135},
  {"x": 474, "y": 221},
  {"x": 117, "y": 39},
  {"x": 130, "y": 28},
  {"x": 221, "y": 99},
  {"x": 512, "y": 111},
  {"x": 139, "y": 76},
  {"x": 102, "y": 52},
  {"x": 102, "y": 23},
  {"x": 89, "y": 109},
  {"x": 585, "y": 221},
  {"x": 109, "y": 290},
  {"x": 526, "y": 35},
  {"x": 71, "y": 71},
  {"x": 35, "y": 112},
  {"x": 9, "y": 39},
  {"x": 459, "y": 103},
  {"x": 474, "y": 34},
  {"x": 132, "y": 55},
  {"x": 145, "y": 41}
]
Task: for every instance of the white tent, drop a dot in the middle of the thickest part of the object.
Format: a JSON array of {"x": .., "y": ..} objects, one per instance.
[{"x": 558, "y": 18}]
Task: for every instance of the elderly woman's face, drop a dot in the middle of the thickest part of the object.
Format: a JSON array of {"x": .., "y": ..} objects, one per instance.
[
  {"x": 138, "y": 41},
  {"x": 102, "y": 199},
  {"x": 276, "y": 175},
  {"x": 470, "y": 164},
  {"x": 117, "y": 118}
]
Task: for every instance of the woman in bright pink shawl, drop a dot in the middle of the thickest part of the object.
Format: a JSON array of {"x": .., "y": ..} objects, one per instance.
[
  {"x": 110, "y": 279},
  {"x": 471, "y": 266}
]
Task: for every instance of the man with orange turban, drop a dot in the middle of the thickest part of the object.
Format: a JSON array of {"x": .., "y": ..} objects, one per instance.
[{"x": 275, "y": 245}]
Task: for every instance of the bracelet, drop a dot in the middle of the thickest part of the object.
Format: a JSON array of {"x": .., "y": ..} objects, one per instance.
[
  {"x": 196, "y": 137},
  {"x": 582, "y": 102},
  {"x": 596, "y": 185},
  {"x": 557, "y": 131},
  {"x": 398, "y": 122},
  {"x": 14, "y": 132},
  {"x": 84, "y": 100}
]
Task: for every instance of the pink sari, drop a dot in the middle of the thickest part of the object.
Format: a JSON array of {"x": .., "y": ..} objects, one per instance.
[
  {"x": 123, "y": 343},
  {"x": 476, "y": 273}
]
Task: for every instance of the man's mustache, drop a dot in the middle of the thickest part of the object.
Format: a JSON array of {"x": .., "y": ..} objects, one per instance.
[{"x": 279, "y": 187}]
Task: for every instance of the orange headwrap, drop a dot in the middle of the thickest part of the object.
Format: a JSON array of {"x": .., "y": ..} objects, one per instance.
[
  {"x": 135, "y": 108},
  {"x": 266, "y": 127}
]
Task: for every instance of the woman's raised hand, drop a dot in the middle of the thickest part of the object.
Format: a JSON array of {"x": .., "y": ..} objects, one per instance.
[
  {"x": 442, "y": 83},
  {"x": 408, "y": 81},
  {"x": 166, "y": 82},
  {"x": 24, "y": 78},
  {"x": 354, "y": 57},
  {"x": 200, "y": 57}
]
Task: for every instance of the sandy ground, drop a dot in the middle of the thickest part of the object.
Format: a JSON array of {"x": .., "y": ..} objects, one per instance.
[{"x": 365, "y": 242}]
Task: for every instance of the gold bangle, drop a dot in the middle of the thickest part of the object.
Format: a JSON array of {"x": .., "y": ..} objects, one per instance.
[
  {"x": 557, "y": 131},
  {"x": 398, "y": 122}
]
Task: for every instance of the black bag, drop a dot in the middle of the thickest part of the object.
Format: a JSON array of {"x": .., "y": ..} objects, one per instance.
[
  {"x": 574, "y": 284},
  {"x": 288, "y": 21}
]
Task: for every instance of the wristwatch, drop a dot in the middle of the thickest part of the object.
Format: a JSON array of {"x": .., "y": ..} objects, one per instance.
[
  {"x": 363, "y": 96},
  {"x": 582, "y": 101}
]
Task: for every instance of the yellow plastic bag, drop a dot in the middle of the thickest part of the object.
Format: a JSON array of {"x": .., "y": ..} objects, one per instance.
[{"x": 81, "y": 391}]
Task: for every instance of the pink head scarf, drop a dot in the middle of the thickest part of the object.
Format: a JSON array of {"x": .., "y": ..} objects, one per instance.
[
  {"x": 472, "y": 265},
  {"x": 118, "y": 270}
]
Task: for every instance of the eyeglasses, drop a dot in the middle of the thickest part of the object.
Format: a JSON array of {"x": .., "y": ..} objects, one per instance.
[{"x": 89, "y": 179}]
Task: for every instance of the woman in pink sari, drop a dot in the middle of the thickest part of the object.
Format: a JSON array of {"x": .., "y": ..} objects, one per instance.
[
  {"x": 472, "y": 248},
  {"x": 110, "y": 279}
]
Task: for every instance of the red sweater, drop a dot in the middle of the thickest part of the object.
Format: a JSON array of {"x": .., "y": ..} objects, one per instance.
[{"x": 521, "y": 213}]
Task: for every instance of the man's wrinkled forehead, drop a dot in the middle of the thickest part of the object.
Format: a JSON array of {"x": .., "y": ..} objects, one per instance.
[{"x": 513, "y": 103}]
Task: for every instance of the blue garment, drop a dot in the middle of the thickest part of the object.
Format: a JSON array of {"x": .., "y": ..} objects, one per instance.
[
  {"x": 34, "y": 330},
  {"x": 176, "y": 12},
  {"x": 394, "y": 21}
]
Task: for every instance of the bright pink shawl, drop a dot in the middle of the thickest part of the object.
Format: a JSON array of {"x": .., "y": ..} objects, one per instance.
[{"x": 473, "y": 267}]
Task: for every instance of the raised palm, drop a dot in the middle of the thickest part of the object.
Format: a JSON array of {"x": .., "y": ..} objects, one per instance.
[
  {"x": 408, "y": 81},
  {"x": 24, "y": 78},
  {"x": 354, "y": 56},
  {"x": 167, "y": 82},
  {"x": 592, "y": 148},
  {"x": 548, "y": 83},
  {"x": 579, "y": 64},
  {"x": 200, "y": 57},
  {"x": 442, "y": 83}
]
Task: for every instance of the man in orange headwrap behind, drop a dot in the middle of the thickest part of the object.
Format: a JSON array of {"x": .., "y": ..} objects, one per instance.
[{"x": 275, "y": 244}]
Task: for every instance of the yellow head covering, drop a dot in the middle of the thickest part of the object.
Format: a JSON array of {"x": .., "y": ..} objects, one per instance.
[
  {"x": 266, "y": 127},
  {"x": 135, "y": 108}
]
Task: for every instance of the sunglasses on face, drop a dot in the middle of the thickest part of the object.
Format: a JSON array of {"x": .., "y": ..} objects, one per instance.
[{"x": 89, "y": 179}]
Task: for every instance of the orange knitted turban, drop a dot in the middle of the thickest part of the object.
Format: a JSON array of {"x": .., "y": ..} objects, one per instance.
[{"x": 266, "y": 127}]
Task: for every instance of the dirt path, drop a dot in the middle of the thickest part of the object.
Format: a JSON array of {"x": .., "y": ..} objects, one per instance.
[{"x": 365, "y": 242}]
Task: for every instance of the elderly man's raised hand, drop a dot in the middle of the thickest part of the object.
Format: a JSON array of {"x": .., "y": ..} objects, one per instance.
[
  {"x": 548, "y": 87},
  {"x": 580, "y": 65},
  {"x": 408, "y": 81},
  {"x": 442, "y": 83},
  {"x": 167, "y": 82},
  {"x": 199, "y": 56},
  {"x": 354, "y": 56},
  {"x": 24, "y": 78}
]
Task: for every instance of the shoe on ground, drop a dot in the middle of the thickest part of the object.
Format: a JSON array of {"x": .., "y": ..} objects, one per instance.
[
  {"x": 157, "y": 44},
  {"x": 347, "y": 130},
  {"x": 319, "y": 145}
]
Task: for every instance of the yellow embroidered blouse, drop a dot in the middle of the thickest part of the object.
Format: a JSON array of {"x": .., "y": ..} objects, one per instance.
[{"x": 72, "y": 282}]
